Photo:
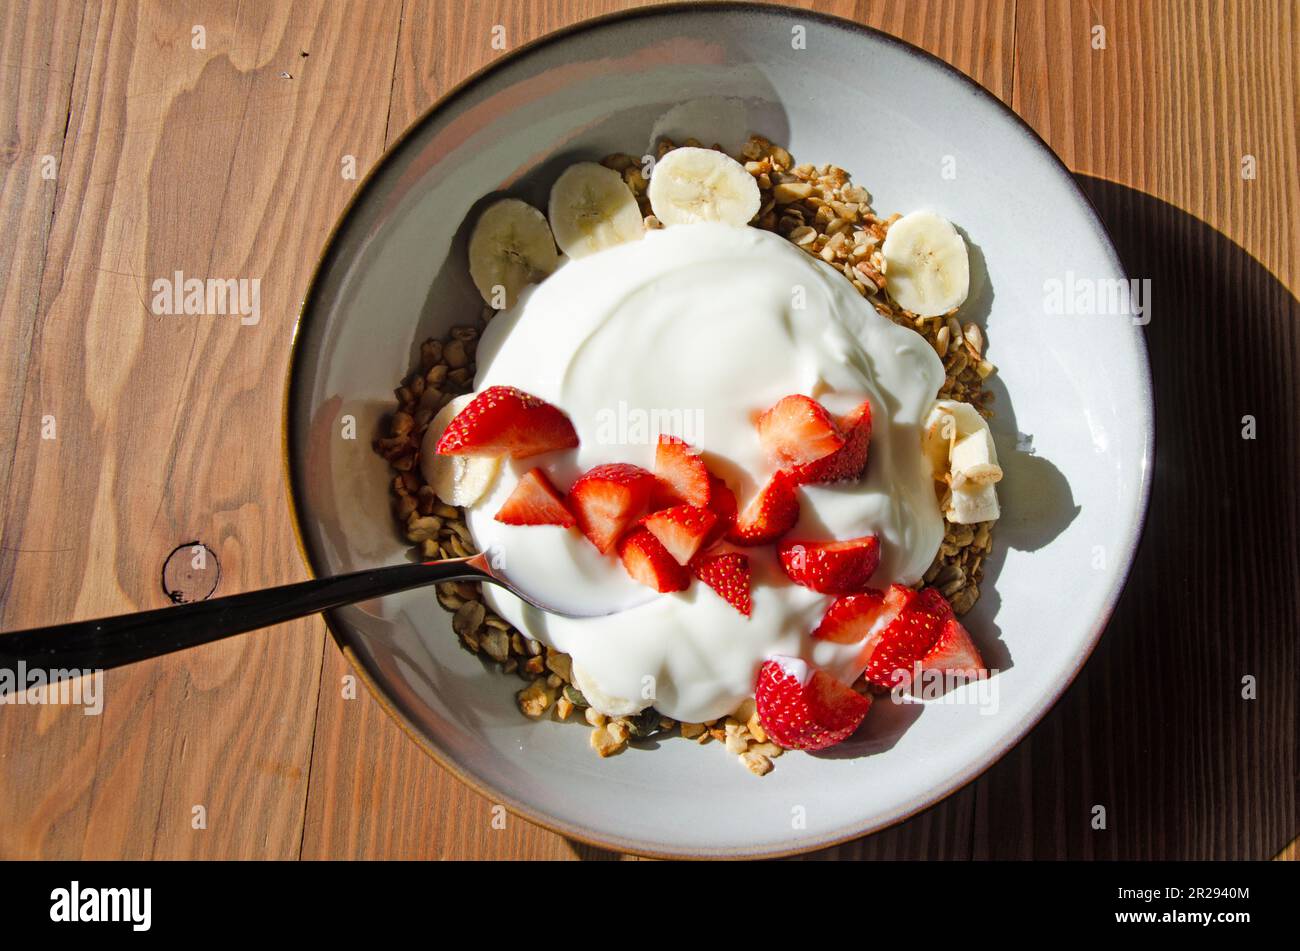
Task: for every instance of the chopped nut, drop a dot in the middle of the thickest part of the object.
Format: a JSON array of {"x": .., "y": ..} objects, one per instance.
[
  {"x": 495, "y": 644},
  {"x": 692, "y": 731},
  {"x": 789, "y": 192},
  {"x": 618, "y": 729},
  {"x": 965, "y": 599},
  {"x": 421, "y": 527},
  {"x": 604, "y": 743},
  {"x": 448, "y": 598},
  {"x": 736, "y": 743},
  {"x": 803, "y": 235},
  {"x": 455, "y": 355},
  {"x": 534, "y": 699},
  {"x": 757, "y": 763},
  {"x": 560, "y": 664},
  {"x": 468, "y": 618}
]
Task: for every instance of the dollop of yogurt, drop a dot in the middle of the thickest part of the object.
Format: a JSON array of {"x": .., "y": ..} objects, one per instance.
[{"x": 693, "y": 331}]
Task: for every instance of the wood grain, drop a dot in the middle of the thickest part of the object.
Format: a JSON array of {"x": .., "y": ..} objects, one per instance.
[
  {"x": 225, "y": 162},
  {"x": 211, "y": 162}
]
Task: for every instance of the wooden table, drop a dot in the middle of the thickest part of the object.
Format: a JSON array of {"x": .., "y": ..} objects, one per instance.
[{"x": 208, "y": 137}]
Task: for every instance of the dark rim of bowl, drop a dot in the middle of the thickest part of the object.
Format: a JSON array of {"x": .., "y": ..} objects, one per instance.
[{"x": 327, "y": 259}]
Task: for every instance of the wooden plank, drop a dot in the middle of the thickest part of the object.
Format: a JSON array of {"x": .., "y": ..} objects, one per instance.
[
  {"x": 375, "y": 793},
  {"x": 1157, "y": 730},
  {"x": 220, "y": 162},
  {"x": 38, "y": 50}
]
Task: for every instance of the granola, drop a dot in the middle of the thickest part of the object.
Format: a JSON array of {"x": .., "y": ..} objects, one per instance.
[{"x": 819, "y": 210}]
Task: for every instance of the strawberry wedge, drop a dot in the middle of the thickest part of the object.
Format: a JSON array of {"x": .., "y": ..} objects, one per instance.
[
  {"x": 648, "y": 562},
  {"x": 853, "y": 617},
  {"x": 900, "y": 629},
  {"x": 722, "y": 503},
  {"x": 803, "y": 708},
  {"x": 681, "y": 529},
  {"x": 953, "y": 651},
  {"x": 769, "y": 515},
  {"x": 505, "y": 421},
  {"x": 847, "y": 462},
  {"x": 728, "y": 575},
  {"x": 682, "y": 474},
  {"x": 606, "y": 500},
  {"x": 535, "y": 502},
  {"x": 798, "y": 431},
  {"x": 919, "y": 621},
  {"x": 831, "y": 567}
]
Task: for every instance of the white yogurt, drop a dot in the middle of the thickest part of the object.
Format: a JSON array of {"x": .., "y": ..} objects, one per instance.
[{"x": 696, "y": 329}]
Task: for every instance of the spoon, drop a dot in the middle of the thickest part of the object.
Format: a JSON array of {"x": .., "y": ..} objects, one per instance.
[{"x": 126, "y": 638}]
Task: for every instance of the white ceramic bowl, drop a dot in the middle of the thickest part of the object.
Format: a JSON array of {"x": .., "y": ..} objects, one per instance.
[{"x": 394, "y": 273}]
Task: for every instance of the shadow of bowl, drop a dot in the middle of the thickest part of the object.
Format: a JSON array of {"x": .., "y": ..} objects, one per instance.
[{"x": 1180, "y": 734}]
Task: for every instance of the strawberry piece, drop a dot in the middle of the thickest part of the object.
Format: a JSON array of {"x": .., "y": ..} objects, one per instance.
[
  {"x": 769, "y": 515},
  {"x": 852, "y": 618},
  {"x": 722, "y": 503},
  {"x": 831, "y": 567},
  {"x": 607, "y": 499},
  {"x": 682, "y": 474},
  {"x": 918, "y": 622},
  {"x": 681, "y": 529},
  {"x": 954, "y": 650},
  {"x": 797, "y": 431},
  {"x": 801, "y": 712},
  {"x": 849, "y": 460},
  {"x": 648, "y": 562},
  {"x": 503, "y": 421},
  {"x": 728, "y": 574},
  {"x": 535, "y": 502}
]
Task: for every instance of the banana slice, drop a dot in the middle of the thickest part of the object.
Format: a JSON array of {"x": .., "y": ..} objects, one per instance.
[
  {"x": 927, "y": 270},
  {"x": 960, "y": 448},
  {"x": 457, "y": 480},
  {"x": 689, "y": 185},
  {"x": 592, "y": 208},
  {"x": 510, "y": 248},
  {"x": 603, "y": 702}
]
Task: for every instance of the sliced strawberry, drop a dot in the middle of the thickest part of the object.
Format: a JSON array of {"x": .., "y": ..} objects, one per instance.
[
  {"x": 831, "y": 567},
  {"x": 849, "y": 460},
  {"x": 851, "y": 618},
  {"x": 800, "y": 711},
  {"x": 647, "y": 561},
  {"x": 954, "y": 650},
  {"x": 503, "y": 421},
  {"x": 681, "y": 529},
  {"x": 769, "y": 515},
  {"x": 918, "y": 622},
  {"x": 722, "y": 503},
  {"x": 682, "y": 474},
  {"x": 535, "y": 502},
  {"x": 798, "y": 431},
  {"x": 607, "y": 499},
  {"x": 727, "y": 574}
]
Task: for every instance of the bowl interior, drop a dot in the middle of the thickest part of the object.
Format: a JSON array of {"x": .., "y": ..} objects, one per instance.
[{"x": 1073, "y": 407}]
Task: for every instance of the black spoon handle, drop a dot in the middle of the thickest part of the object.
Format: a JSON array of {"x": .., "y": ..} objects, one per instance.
[{"x": 113, "y": 641}]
